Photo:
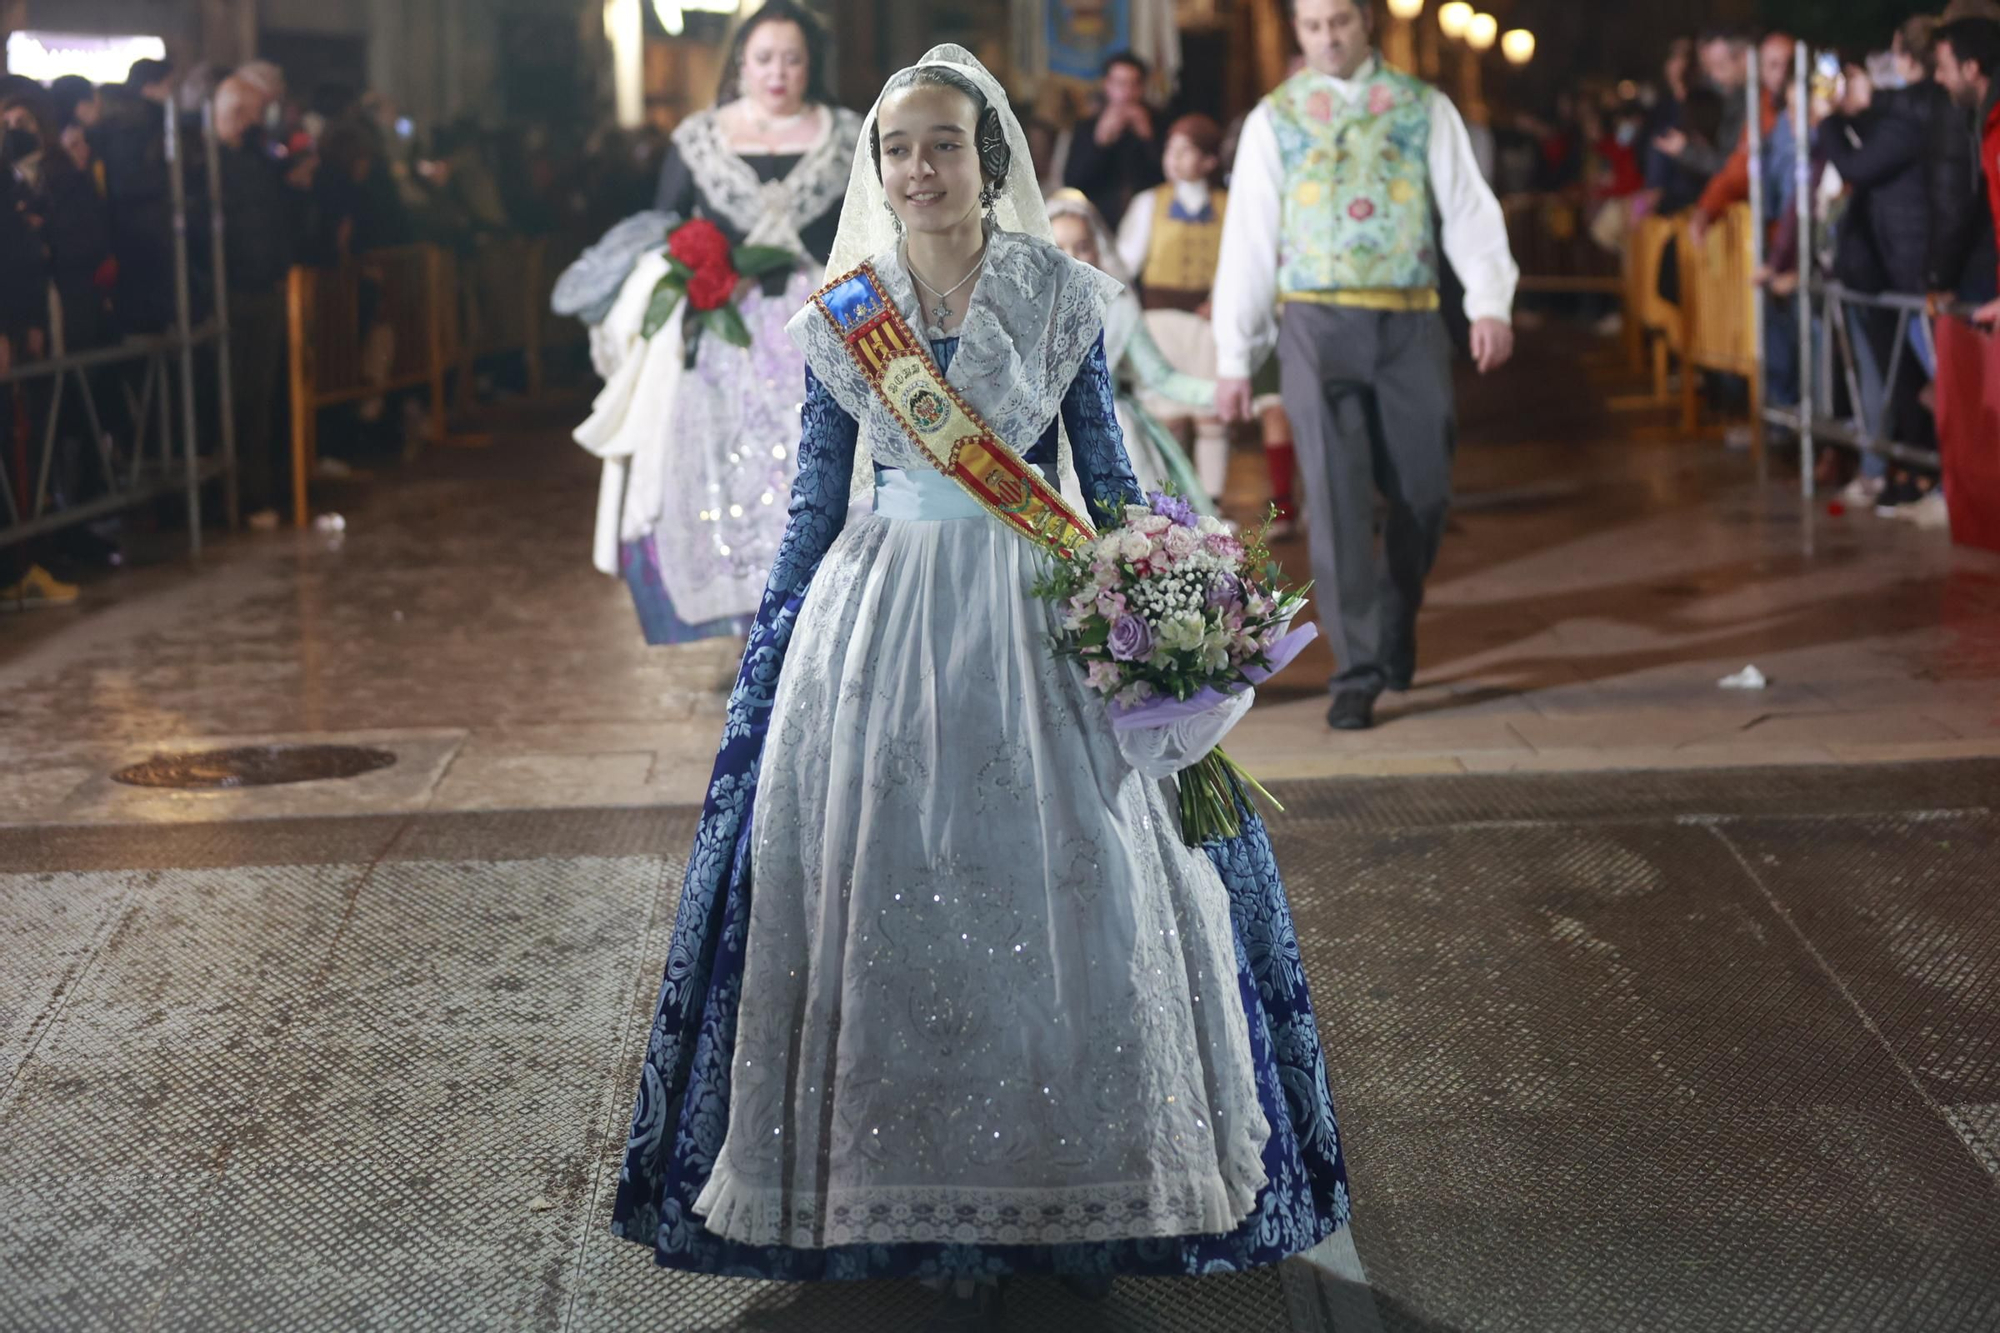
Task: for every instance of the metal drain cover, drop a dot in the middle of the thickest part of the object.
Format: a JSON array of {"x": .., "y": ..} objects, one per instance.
[{"x": 254, "y": 766}]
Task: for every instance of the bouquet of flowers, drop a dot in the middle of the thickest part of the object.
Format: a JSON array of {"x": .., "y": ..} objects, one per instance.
[
  {"x": 702, "y": 268},
  {"x": 1176, "y": 620}
]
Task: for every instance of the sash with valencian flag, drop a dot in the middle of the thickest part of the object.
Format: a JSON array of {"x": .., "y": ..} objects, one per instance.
[{"x": 938, "y": 421}]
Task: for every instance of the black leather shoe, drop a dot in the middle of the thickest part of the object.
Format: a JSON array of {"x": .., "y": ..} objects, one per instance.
[{"x": 1352, "y": 711}]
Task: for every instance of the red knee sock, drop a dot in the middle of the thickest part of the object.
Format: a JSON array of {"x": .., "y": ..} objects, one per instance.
[{"x": 1279, "y": 458}]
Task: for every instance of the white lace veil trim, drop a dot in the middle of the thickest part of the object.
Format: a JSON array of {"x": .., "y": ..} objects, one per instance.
[{"x": 867, "y": 228}]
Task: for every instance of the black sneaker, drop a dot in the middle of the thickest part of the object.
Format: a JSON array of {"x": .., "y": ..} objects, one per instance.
[
  {"x": 1901, "y": 490},
  {"x": 1352, "y": 710}
]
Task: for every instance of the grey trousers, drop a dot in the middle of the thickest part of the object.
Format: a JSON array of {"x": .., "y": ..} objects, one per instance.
[{"x": 1370, "y": 397}]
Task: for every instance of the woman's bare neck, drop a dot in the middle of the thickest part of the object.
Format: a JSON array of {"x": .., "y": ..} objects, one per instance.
[{"x": 944, "y": 256}]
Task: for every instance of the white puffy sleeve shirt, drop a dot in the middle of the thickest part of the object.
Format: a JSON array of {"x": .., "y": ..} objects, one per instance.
[{"x": 1246, "y": 282}]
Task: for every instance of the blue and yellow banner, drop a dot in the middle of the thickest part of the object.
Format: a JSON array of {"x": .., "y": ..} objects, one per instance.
[{"x": 1081, "y": 34}]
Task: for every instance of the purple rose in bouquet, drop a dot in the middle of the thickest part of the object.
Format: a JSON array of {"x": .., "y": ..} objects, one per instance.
[
  {"x": 1225, "y": 593},
  {"x": 1174, "y": 509},
  {"x": 1131, "y": 638}
]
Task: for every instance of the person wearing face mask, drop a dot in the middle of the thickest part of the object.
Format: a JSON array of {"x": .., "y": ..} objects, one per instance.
[
  {"x": 698, "y": 435},
  {"x": 1330, "y": 208}
]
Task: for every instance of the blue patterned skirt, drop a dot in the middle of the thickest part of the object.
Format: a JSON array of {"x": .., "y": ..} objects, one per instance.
[{"x": 682, "y": 1113}]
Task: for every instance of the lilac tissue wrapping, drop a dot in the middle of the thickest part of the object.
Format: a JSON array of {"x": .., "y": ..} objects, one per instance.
[{"x": 1166, "y": 712}]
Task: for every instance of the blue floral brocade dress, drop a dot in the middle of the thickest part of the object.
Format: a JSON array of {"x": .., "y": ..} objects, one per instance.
[{"x": 684, "y": 1107}]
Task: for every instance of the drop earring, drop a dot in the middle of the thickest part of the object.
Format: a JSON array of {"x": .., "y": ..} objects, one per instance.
[
  {"x": 894, "y": 217},
  {"x": 988, "y": 196}
]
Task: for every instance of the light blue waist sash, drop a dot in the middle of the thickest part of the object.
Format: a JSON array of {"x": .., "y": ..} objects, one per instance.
[{"x": 923, "y": 496}]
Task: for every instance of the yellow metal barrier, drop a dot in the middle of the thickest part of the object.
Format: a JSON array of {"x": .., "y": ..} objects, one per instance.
[
  {"x": 1654, "y": 321},
  {"x": 503, "y": 295},
  {"x": 1719, "y": 313},
  {"x": 375, "y": 324}
]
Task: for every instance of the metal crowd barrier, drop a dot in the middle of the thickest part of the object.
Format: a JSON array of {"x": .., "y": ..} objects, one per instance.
[
  {"x": 503, "y": 292},
  {"x": 160, "y": 473},
  {"x": 1827, "y": 359},
  {"x": 1719, "y": 312},
  {"x": 402, "y": 295},
  {"x": 1837, "y": 365},
  {"x": 1654, "y": 323}
]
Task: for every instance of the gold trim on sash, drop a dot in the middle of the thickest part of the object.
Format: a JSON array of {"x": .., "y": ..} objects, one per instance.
[
  {"x": 1371, "y": 298},
  {"x": 938, "y": 420}
]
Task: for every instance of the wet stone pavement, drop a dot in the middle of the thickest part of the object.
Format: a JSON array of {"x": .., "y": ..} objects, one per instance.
[
  {"x": 1633, "y": 1051},
  {"x": 1648, "y": 1005},
  {"x": 1601, "y": 576}
]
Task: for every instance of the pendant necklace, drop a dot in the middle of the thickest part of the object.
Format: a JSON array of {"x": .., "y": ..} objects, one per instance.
[{"x": 943, "y": 311}]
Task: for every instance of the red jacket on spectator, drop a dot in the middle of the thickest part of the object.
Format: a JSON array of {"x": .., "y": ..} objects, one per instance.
[
  {"x": 1621, "y": 175},
  {"x": 1989, "y": 163},
  {"x": 1732, "y": 184}
]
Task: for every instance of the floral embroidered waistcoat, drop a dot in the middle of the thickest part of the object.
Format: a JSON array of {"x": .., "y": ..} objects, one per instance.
[{"x": 1356, "y": 195}]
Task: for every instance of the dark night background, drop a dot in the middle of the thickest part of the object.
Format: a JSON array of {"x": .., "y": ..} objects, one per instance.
[{"x": 1627, "y": 38}]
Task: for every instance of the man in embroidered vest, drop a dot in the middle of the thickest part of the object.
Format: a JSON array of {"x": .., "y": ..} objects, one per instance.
[{"x": 1337, "y": 176}]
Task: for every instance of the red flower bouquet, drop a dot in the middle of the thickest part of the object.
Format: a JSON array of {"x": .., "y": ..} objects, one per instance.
[
  {"x": 700, "y": 245},
  {"x": 704, "y": 269}
]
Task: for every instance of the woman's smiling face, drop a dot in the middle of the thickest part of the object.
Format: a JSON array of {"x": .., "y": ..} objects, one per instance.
[{"x": 930, "y": 170}]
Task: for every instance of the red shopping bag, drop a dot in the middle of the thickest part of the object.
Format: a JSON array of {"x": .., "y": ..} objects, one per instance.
[{"x": 1968, "y": 425}]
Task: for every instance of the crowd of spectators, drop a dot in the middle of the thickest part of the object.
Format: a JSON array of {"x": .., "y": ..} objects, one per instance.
[
  {"x": 87, "y": 258},
  {"x": 1903, "y": 156}
]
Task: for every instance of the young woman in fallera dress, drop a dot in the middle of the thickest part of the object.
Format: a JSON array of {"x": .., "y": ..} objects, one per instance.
[
  {"x": 947, "y": 996},
  {"x": 699, "y": 448}
]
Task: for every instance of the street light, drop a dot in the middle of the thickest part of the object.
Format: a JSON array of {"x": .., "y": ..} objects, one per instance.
[
  {"x": 1518, "y": 46},
  {"x": 1454, "y": 18},
  {"x": 1406, "y": 9},
  {"x": 671, "y": 13},
  {"x": 1482, "y": 32}
]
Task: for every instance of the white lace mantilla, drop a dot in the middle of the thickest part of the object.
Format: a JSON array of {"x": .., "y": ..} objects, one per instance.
[
  {"x": 769, "y": 212},
  {"x": 1029, "y": 296}
]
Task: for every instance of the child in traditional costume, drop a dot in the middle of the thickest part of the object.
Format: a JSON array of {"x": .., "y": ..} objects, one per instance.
[{"x": 948, "y": 996}]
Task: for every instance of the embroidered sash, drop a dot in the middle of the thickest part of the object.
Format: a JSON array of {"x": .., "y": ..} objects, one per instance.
[{"x": 938, "y": 421}]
